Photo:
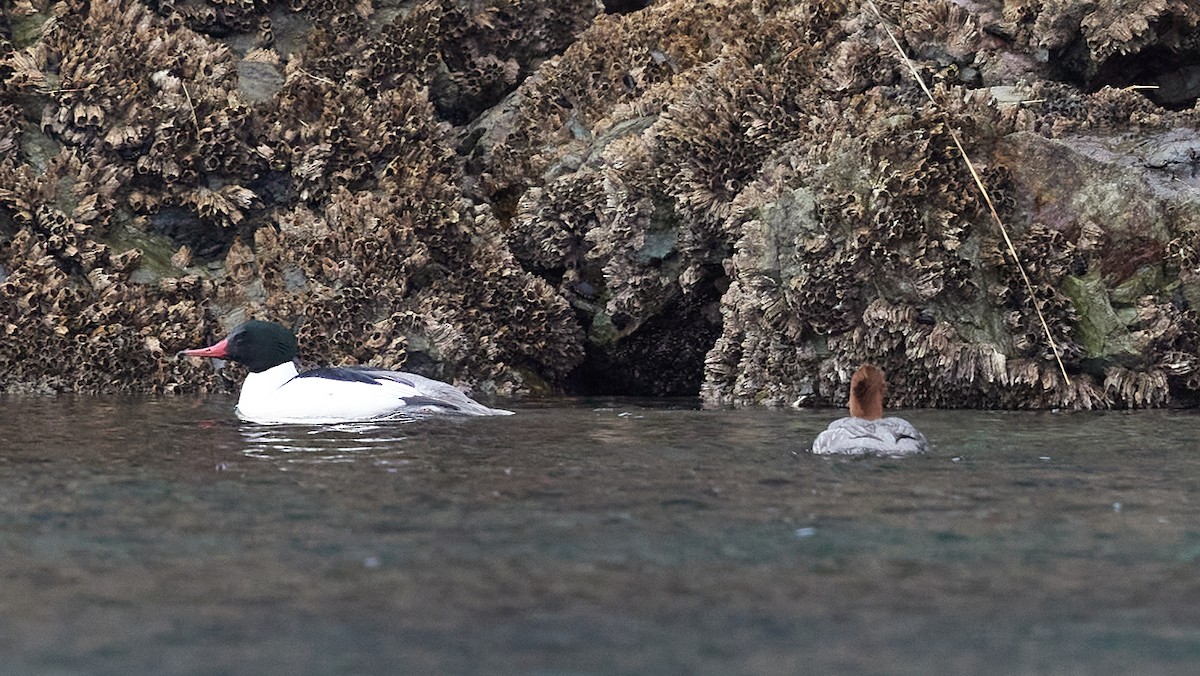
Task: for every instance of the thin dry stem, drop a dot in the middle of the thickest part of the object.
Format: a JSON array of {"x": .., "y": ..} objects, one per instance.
[
  {"x": 318, "y": 78},
  {"x": 188, "y": 95},
  {"x": 983, "y": 190},
  {"x": 61, "y": 90}
]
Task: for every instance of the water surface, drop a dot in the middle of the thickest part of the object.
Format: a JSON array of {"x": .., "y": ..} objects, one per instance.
[{"x": 161, "y": 536}]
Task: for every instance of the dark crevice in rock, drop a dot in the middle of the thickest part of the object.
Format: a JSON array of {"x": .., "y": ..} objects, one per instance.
[
  {"x": 625, "y": 6},
  {"x": 504, "y": 203},
  {"x": 1183, "y": 396},
  {"x": 1174, "y": 76},
  {"x": 663, "y": 358},
  {"x": 274, "y": 189},
  {"x": 1169, "y": 77},
  {"x": 185, "y": 228}
]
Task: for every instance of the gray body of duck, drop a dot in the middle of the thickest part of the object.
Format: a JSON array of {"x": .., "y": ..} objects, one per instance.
[{"x": 866, "y": 431}]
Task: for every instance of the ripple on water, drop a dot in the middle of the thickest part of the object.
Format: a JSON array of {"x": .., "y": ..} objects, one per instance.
[{"x": 380, "y": 442}]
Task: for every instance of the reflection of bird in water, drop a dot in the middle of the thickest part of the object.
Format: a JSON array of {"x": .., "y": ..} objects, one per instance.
[
  {"x": 276, "y": 392},
  {"x": 866, "y": 431},
  {"x": 383, "y": 443}
]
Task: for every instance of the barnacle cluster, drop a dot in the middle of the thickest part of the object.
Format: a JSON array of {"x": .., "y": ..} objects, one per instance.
[{"x": 741, "y": 198}]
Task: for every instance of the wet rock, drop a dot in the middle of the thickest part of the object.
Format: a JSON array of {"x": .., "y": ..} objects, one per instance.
[
  {"x": 1102, "y": 333},
  {"x": 259, "y": 81}
]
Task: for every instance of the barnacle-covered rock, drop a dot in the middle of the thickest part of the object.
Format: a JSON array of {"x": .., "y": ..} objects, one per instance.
[
  {"x": 195, "y": 177},
  {"x": 738, "y": 198},
  {"x": 791, "y": 167}
]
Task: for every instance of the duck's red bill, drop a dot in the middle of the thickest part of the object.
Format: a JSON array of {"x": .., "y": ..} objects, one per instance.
[{"x": 219, "y": 351}]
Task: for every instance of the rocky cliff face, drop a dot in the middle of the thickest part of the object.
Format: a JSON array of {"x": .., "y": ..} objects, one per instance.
[{"x": 740, "y": 198}]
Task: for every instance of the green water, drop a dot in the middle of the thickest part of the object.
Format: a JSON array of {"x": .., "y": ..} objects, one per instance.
[{"x": 161, "y": 536}]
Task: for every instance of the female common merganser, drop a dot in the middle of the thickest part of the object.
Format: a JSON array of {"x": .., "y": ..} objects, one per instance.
[
  {"x": 276, "y": 393},
  {"x": 866, "y": 431}
]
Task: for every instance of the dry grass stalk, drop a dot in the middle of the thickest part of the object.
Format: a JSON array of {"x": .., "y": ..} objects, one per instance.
[
  {"x": 191, "y": 106},
  {"x": 987, "y": 198}
]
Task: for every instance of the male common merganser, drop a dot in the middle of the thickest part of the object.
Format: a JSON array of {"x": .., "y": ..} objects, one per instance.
[
  {"x": 866, "y": 431},
  {"x": 275, "y": 392}
]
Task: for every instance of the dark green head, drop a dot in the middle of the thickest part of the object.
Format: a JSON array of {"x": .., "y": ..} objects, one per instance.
[{"x": 257, "y": 344}]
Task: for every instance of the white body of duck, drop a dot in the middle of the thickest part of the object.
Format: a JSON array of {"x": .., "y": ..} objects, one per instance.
[
  {"x": 282, "y": 395},
  {"x": 866, "y": 431},
  {"x": 275, "y": 392}
]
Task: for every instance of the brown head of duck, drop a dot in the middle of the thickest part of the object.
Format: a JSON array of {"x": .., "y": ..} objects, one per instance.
[{"x": 867, "y": 388}]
